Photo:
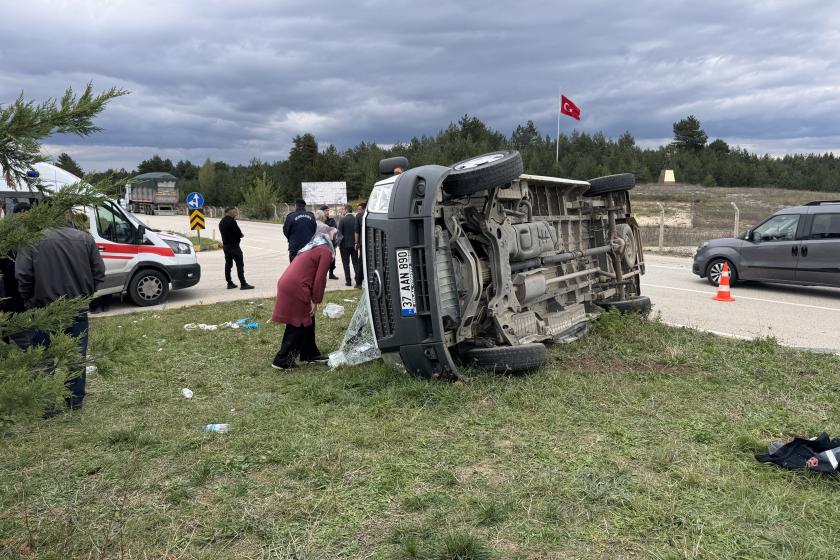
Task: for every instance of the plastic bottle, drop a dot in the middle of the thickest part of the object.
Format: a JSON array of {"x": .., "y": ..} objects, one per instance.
[
  {"x": 220, "y": 428},
  {"x": 186, "y": 393}
]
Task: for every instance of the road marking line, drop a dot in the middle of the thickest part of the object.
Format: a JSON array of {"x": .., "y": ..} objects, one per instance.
[
  {"x": 668, "y": 267},
  {"x": 262, "y": 248},
  {"x": 704, "y": 292}
]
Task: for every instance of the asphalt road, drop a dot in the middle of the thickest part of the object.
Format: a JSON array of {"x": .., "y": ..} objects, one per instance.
[
  {"x": 266, "y": 257},
  {"x": 798, "y": 316}
]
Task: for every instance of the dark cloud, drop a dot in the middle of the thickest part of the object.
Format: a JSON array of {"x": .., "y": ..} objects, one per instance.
[{"x": 238, "y": 80}]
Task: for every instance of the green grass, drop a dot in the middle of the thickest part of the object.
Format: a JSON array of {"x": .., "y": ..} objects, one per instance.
[
  {"x": 636, "y": 441},
  {"x": 207, "y": 244}
]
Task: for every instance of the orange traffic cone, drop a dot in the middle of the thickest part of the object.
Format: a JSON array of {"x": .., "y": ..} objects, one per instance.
[{"x": 723, "y": 286}]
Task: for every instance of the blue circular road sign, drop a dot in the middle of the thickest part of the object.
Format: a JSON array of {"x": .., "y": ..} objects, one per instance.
[{"x": 195, "y": 200}]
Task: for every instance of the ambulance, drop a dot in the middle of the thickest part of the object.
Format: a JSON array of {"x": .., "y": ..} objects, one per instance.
[{"x": 140, "y": 261}]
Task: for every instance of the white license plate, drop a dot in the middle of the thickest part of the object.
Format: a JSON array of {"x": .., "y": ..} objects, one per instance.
[{"x": 405, "y": 277}]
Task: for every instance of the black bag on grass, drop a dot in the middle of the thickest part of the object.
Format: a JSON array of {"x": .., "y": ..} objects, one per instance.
[{"x": 819, "y": 454}]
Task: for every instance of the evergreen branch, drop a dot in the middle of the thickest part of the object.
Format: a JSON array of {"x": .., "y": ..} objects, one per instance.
[{"x": 23, "y": 124}]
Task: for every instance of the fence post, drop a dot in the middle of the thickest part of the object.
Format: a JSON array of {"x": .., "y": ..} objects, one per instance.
[
  {"x": 661, "y": 226},
  {"x": 275, "y": 211},
  {"x": 737, "y": 219}
]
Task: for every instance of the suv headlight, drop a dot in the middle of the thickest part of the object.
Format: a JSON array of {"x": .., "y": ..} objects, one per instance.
[
  {"x": 380, "y": 199},
  {"x": 178, "y": 247}
]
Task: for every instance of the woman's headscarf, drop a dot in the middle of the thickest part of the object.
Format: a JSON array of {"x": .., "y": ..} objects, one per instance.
[{"x": 323, "y": 235}]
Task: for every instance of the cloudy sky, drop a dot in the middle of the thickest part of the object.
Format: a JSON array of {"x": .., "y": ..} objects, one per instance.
[{"x": 235, "y": 80}]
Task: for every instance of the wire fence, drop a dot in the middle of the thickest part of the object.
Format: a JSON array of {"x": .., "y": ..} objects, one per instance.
[{"x": 676, "y": 236}]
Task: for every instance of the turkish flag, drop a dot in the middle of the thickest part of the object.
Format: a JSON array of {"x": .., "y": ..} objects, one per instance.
[{"x": 569, "y": 108}]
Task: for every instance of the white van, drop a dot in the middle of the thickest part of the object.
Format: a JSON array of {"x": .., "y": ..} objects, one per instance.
[{"x": 138, "y": 260}]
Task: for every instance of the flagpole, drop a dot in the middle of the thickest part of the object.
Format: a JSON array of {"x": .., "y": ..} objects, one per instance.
[{"x": 557, "y": 155}]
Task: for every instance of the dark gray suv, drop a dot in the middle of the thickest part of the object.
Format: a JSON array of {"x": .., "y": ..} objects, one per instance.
[{"x": 797, "y": 245}]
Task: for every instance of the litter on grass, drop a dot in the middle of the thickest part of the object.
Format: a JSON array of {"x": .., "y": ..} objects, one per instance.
[
  {"x": 200, "y": 327},
  {"x": 333, "y": 311},
  {"x": 186, "y": 393},
  {"x": 819, "y": 454},
  {"x": 220, "y": 428},
  {"x": 246, "y": 323}
]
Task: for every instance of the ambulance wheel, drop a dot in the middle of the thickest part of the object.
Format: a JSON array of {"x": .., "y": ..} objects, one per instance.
[{"x": 148, "y": 287}]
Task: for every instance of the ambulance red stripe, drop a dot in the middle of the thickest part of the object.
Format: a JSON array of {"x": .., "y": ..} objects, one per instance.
[{"x": 135, "y": 249}]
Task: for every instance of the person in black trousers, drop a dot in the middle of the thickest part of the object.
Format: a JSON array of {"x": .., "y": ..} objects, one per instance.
[
  {"x": 231, "y": 235},
  {"x": 347, "y": 247},
  {"x": 298, "y": 228},
  {"x": 64, "y": 263},
  {"x": 360, "y": 243},
  {"x": 330, "y": 221}
]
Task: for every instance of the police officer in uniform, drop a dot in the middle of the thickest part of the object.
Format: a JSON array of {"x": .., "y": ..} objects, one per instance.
[{"x": 298, "y": 228}]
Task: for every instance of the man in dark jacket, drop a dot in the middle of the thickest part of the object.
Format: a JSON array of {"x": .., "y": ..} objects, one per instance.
[
  {"x": 64, "y": 263},
  {"x": 330, "y": 221},
  {"x": 347, "y": 247},
  {"x": 299, "y": 228},
  {"x": 231, "y": 234},
  {"x": 360, "y": 243}
]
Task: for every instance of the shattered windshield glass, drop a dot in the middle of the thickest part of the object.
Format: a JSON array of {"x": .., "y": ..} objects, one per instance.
[{"x": 359, "y": 344}]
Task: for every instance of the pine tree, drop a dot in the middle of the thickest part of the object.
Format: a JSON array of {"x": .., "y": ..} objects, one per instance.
[
  {"x": 688, "y": 135},
  {"x": 24, "y": 389},
  {"x": 68, "y": 164},
  {"x": 260, "y": 198}
]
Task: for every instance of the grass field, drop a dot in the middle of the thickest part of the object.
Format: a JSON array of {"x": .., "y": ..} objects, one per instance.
[{"x": 635, "y": 442}]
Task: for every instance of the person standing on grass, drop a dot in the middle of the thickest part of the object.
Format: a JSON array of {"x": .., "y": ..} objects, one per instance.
[
  {"x": 231, "y": 235},
  {"x": 64, "y": 263},
  {"x": 330, "y": 221},
  {"x": 298, "y": 228},
  {"x": 347, "y": 229},
  {"x": 299, "y": 292},
  {"x": 359, "y": 246}
]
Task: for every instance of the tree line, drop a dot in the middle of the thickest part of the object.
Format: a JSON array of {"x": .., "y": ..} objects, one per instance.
[{"x": 581, "y": 156}]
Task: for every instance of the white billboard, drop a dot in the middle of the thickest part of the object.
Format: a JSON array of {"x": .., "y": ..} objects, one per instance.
[{"x": 325, "y": 193}]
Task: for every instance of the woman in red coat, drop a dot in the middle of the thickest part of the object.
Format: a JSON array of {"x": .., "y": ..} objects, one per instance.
[{"x": 299, "y": 291}]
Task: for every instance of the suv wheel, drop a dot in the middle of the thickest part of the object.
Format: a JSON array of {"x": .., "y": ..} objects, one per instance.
[
  {"x": 715, "y": 270},
  {"x": 507, "y": 359},
  {"x": 610, "y": 183},
  {"x": 148, "y": 287},
  {"x": 483, "y": 172}
]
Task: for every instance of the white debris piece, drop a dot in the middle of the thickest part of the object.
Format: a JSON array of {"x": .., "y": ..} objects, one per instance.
[
  {"x": 200, "y": 327},
  {"x": 333, "y": 311}
]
